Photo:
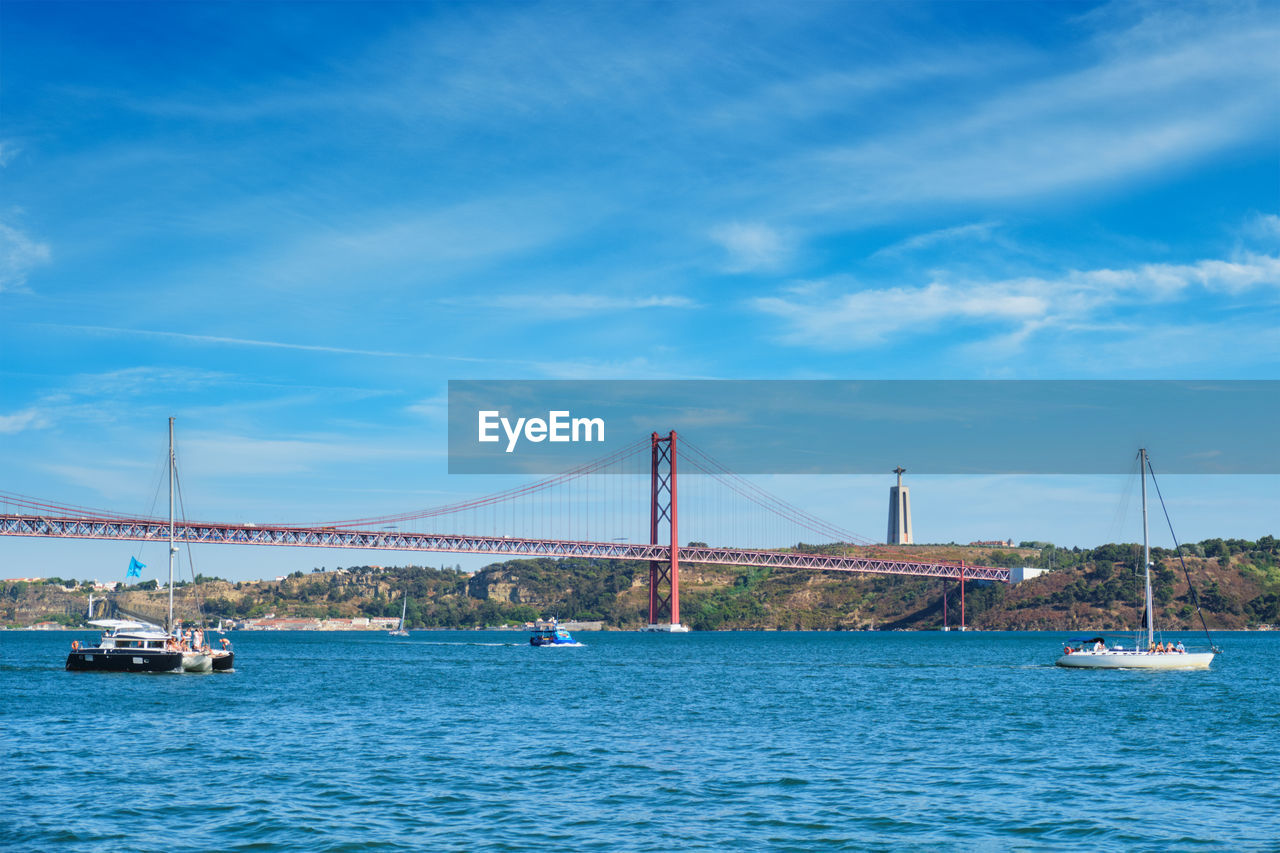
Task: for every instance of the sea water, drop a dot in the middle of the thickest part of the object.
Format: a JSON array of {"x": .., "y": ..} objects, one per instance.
[{"x": 476, "y": 741}]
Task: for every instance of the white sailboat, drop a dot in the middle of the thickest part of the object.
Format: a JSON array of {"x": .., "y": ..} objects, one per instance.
[
  {"x": 1097, "y": 655},
  {"x": 400, "y": 629}
]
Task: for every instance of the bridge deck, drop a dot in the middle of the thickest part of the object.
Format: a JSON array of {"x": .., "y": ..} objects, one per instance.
[{"x": 325, "y": 537}]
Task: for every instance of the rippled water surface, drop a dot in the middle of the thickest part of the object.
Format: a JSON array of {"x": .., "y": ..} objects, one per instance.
[{"x": 476, "y": 741}]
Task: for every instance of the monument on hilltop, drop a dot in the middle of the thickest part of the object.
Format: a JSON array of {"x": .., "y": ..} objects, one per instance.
[{"x": 899, "y": 512}]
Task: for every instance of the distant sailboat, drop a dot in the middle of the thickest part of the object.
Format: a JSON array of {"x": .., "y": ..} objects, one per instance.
[
  {"x": 1094, "y": 653},
  {"x": 400, "y": 629}
]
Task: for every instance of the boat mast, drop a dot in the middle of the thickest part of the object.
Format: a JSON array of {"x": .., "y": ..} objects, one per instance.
[
  {"x": 168, "y": 625},
  {"x": 1146, "y": 550}
]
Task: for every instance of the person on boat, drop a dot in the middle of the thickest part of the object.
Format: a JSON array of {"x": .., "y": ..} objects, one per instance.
[
  {"x": 1180, "y": 649},
  {"x": 1099, "y": 646}
]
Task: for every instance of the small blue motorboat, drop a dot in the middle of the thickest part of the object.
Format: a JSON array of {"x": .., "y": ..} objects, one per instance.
[{"x": 549, "y": 633}]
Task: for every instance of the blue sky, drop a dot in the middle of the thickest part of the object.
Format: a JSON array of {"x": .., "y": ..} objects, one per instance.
[{"x": 289, "y": 225}]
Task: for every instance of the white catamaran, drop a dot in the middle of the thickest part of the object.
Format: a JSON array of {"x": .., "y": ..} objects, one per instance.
[
  {"x": 142, "y": 647},
  {"x": 1095, "y": 654}
]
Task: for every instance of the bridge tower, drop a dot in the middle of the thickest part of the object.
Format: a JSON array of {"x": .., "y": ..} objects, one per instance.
[{"x": 664, "y": 577}]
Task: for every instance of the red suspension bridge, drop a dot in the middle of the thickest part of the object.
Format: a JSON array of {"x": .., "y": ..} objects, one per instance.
[{"x": 560, "y": 516}]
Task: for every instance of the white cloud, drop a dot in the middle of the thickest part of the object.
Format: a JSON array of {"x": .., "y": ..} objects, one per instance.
[
  {"x": 1263, "y": 227},
  {"x": 1143, "y": 105},
  {"x": 566, "y": 305},
  {"x": 250, "y": 342},
  {"x": 751, "y": 246},
  {"x": 19, "y": 255},
  {"x": 430, "y": 408},
  {"x": 638, "y": 367},
  {"x": 862, "y": 318},
  {"x": 973, "y": 231},
  {"x": 23, "y": 420},
  {"x": 208, "y": 456},
  {"x": 869, "y": 317}
]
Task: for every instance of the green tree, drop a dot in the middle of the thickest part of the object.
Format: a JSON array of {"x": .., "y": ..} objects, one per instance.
[{"x": 1215, "y": 548}]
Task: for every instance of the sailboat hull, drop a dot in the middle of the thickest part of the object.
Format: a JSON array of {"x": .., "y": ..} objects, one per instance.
[{"x": 1135, "y": 660}]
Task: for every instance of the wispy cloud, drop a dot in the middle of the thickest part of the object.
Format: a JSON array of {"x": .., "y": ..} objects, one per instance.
[
  {"x": 434, "y": 408},
  {"x": 105, "y": 397},
  {"x": 1152, "y": 97},
  {"x": 567, "y": 305},
  {"x": 19, "y": 255},
  {"x": 225, "y": 455},
  {"x": 26, "y": 419},
  {"x": 638, "y": 367},
  {"x": 1263, "y": 227},
  {"x": 752, "y": 246},
  {"x": 249, "y": 342},
  {"x": 858, "y": 319},
  {"x": 105, "y": 477},
  {"x": 142, "y": 381},
  {"x": 979, "y": 231}
]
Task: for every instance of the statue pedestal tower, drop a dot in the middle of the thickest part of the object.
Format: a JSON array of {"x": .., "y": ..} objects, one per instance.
[{"x": 899, "y": 512}]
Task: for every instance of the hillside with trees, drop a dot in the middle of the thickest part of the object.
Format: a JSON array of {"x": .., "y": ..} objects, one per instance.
[{"x": 1237, "y": 581}]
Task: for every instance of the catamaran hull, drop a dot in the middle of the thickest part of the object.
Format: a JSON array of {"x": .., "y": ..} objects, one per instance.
[
  {"x": 223, "y": 661},
  {"x": 196, "y": 662},
  {"x": 123, "y": 660},
  {"x": 1136, "y": 660}
]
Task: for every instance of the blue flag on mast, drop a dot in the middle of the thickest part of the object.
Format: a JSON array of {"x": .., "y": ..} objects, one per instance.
[{"x": 135, "y": 568}]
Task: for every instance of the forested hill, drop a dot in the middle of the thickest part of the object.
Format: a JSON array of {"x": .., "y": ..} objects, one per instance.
[{"x": 1238, "y": 582}]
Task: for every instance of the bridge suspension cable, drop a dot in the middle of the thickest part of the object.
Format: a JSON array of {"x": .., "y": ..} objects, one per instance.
[
  {"x": 594, "y": 466},
  {"x": 771, "y": 503}
]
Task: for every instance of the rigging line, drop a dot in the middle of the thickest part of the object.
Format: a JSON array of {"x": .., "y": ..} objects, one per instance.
[
  {"x": 191, "y": 566},
  {"x": 1194, "y": 595},
  {"x": 1123, "y": 501}
]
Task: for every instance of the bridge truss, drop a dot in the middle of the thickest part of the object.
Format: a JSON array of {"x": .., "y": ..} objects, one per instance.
[{"x": 313, "y": 537}]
